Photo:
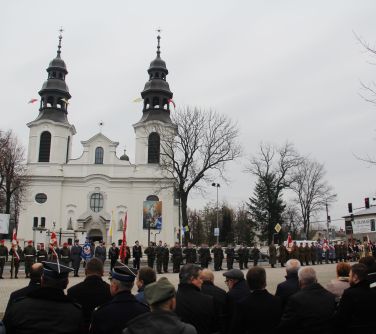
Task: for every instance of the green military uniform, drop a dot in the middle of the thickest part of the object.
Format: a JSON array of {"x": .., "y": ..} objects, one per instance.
[
  {"x": 294, "y": 254},
  {"x": 150, "y": 253},
  {"x": 301, "y": 254},
  {"x": 307, "y": 254},
  {"x": 16, "y": 253},
  {"x": 230, "y": 255},
  {"x": 218, "y": 257},
  {"x": 42, "y": 255},
  {"x": 29, "y": 255},
  {"x": 283, "y": 255},
  {"x": 65, "y": 255},
  {"x": 166, "y": 257},
  {"x": 255, "y": 256},
  {"x": 3, "y": 257},
  {"x": 246, "y": 256},
  {"x": 272, "y": 255},
  {"x": 241, "y": 257},
  {"x": 159, "y": 255},
  {"x": 177, "y": 257},
  {"x": 313, "y": 253}
]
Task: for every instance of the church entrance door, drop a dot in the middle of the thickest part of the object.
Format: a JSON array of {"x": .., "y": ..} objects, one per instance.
[{"x": 95, "y": 235}]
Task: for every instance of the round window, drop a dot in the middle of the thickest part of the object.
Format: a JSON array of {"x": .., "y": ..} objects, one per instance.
[{"x": 41, "y": 198}]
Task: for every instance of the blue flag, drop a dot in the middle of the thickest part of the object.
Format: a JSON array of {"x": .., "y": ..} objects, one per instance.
[{"x": 86, "y": 251}]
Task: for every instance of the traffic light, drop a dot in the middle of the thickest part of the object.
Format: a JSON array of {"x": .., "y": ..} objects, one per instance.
[
  {"x": 349, "y": 205},
  {"x": 366, "y": 202}
]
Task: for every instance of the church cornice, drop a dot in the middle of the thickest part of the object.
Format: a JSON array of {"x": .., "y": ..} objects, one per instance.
[{"x": 46, "y": 121}]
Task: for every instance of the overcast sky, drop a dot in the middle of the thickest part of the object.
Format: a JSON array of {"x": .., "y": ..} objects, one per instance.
[{"x": 284, "y": 70}]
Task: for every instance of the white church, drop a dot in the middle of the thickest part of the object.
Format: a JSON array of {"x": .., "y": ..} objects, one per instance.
[{"x": 90, "y": 195}]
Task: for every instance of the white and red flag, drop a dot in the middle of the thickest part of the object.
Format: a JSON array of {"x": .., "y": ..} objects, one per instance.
[
  {"x": 32, "y": 101},
  {"x": 123, "y": 249},
  {"x": 289, "y": 240}
]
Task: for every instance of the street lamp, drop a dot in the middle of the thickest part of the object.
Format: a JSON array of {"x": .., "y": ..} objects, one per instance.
[{"x": 217, "y": 185}]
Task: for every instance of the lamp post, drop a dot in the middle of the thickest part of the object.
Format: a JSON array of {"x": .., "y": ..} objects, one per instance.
[{"x": 217, "y": 185}]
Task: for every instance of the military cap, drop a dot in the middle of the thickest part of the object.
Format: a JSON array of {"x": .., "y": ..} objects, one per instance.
[
  {"x": 234, "y": 274},
  {"x": 55, "y": 270},
  {"x": 122, "y": 272},
  {"x": 159, "y": 291},
  {"x": 30, "y": 242}
]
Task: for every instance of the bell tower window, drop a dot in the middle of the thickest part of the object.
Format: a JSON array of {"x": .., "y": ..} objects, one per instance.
[
  {"x": 153, "y": 148},
  {"x": 99, "y": 156},
  {"x": 44, "y": 147}
]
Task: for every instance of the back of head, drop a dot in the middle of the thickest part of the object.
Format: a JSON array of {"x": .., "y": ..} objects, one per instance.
[
  {"x": 360, "y": 270},
  {"x": 147, "y": 275},
  {"x": 207, "y": 275},
  {"x": 343, "y": 269},
  {"x": 256, "y": 278},
  {"x": 292, "y": 266},
  {"x": 369, "y": 262},
  {"x": 159, "y": 294},
  {"x": 36, "y": 272},
  {"x": 307, "y": 276},
  {"x": 94, "y": 267},
  {"x": 189, "y": 271}
]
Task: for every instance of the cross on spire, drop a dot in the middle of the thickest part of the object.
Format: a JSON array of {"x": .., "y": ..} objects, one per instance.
[
  {"x": 60, "y": 38},
  {"x": 159, "y": 30}
]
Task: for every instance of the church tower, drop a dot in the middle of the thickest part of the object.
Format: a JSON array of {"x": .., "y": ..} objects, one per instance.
[
  {"x": 50, "y": 138},
  {"x": 155, "y": 114}
]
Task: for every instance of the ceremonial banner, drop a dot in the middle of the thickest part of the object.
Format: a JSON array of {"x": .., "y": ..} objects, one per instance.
[
  {"x": 4, "y": 223},
  {"x": 152, "y": 215},
  {"x": 86, "y": 251}
]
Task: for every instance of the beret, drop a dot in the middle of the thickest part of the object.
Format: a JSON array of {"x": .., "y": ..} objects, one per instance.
[{"x": 234, "y": 274}]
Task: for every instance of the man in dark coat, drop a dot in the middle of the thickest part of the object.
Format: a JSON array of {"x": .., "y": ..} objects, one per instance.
[
  {"x": 204, "y": 255},
  {"x": 260, "y": 311},
  {"x": 150, "y": 253},
  {"x": 100, "y": 251},
  {"x": 113, "y": 316},
  {"x": 272, "y": 255},
  {"x": 230, "y": 256},
  {"x": 159, "y": 256},
  {"x": 166, "y": 257},
  {"x": 241, "y": 257},
  {"x": 301, "y": 254},
  {"x": 161, "y": 297},
  {"x": 307, "y": 254},
  {"x": 291, "y": 284},
  {"x": 237, "y": 287},
  {"x": 29, "y": 256},
  {"x": 283, "y": 254},
  {"x": 190, "y": 254},
  {"x": 65, "y": 256},
  {"x": 36, "y": 272},
  {"x": 76, "y": 251},
  {"x": 16, "y": 257},
  {"x": 311, "y": 309},
  {"x": 3, "y": 257},
  {"x": 192, "y": 306},
  {"x": 41, "y": 254},
  {"x": 219, "y": 296},
  {"x": 218, "y": 257},
  {"x": 246, "y": 254},
  {"x": 137, "y": 254},
  {"x": 255, "y": 256},
  {"x": 313, "y": 253},
  {"x": 113, "y": 255},
  {"x": 48, "y": 309},
  {"x": 177, "y": 257},
  {"x": 93, "y": 291},
  {"x": 355, "y": 312}
]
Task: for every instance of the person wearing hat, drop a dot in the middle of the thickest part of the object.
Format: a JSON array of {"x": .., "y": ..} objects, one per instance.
[
  {"x": 176, "y": 257},
  {"x": 29, "y": 255},
  {"x": 113, "y": 255},
  {"x": 16, "y": 253},
  {"x": 137, "y": 254},
  {"x": 100, "y": 251},
  {"x": 113, "y": 316},
  {"x": 237, "y": 287},
  {"x": 47, "y": 309},
  {"x": 166, "y": 257},
  {"x": 41, "y": 254},
  {"x": 160, "y": 296},
  {"x": 65, "y": 256},
  {"x": 3, "y": 257},
  {"x": 75, "y": 254}
]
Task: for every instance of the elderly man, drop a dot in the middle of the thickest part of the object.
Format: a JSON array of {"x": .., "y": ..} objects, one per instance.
[
  {"x": 311, "y": 309},
  {"x": 113, "y": 316},
  {"x": 291, "y": 284},
  {"x": 192, "y": 306},
  {"x": 161, "y": 297}
]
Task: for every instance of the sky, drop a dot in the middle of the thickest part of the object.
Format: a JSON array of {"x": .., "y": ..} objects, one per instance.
[{"x": 283, "y": 70}]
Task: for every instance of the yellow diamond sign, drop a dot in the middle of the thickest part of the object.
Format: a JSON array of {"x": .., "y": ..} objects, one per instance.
[{"x": 277, "y": 228}]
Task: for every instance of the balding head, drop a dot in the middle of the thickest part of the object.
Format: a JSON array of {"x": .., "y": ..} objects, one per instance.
[
  {"x": 36, "y": 272},
  {"x": 292, "y": 266},
  {"x": 207, "y": 275},
  {"x": 307, "y": 276}
]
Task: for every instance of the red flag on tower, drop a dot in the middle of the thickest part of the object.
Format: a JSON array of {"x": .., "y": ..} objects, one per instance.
[{"x": 123, "y": 249}]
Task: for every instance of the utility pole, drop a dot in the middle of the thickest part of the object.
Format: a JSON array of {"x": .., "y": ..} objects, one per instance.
[
  {"x": 327, "y": 220},
  {"x": 217, "y": 185}
]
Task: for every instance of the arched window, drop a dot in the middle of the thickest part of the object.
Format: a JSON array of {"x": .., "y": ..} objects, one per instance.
[
  {"x": 152, "y": 198},
  {"x": 99, "y": 156},
  {"x": 153, "y": 148},
  {"x": 44, "y": 147},
  {"x": 155, "y": 102},
  {"x": 50, "y": 101},
  {"x": 96, "y": 202}
]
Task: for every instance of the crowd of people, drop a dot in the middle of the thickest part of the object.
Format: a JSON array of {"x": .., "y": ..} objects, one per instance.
[{"x": 300, "y": 305}]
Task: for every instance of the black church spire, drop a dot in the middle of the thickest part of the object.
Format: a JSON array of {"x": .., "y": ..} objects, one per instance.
[
  {"x": 55, "y": 93},
  {"x": 156, "y": 93}
]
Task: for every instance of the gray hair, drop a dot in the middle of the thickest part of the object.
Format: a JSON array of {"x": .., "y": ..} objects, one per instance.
[
  {"x": 307, "y": 276},
  {"x": 292, "y": 266}
]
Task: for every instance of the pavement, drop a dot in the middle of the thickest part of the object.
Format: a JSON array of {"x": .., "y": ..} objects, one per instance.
[{"x": 325, "y": 273}]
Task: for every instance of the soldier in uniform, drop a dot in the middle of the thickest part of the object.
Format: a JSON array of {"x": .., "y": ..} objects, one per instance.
[
  {"x": 313, "y": 253},
  {"x": 137, "y": 254},
  {"x": 29, "y": 256},
  {"x": 230, "y": 256},
  {"x": 16, "y": 253},
  {"x": 241, "y": 257},
  {"x": 246, "y": 254},
  {"x": 177, "y": 257},
  {"x": 159, "y": 255},
  {"x": 41, "y": 254},
  {"x": 3, "y": 257},
  {"x": 218, "y": 257},
  {"x": 75, "y": 254},
  {"x": 307, "y": 254},
  {"x": 301, "y": 254},
  {"x": 127, "y": 254},
  {"x": 113, "y": 255},
  {"x": 294, "y": 254},
  {"x": 204, "y": 255},
  {"x": 255, "y": 255},
  {"x": 65, "y": 256},
  {"x": 100, "y": 251},
  {"x": 272, "y": 255},
  {"x": 53, "y": 253},
  {"x": 150, "y": 253},
  {"x": 344, "y": 251},
  {"x": 338, "y": 252},
  {"x": 319, "y": 253},
  {"x": 166, "y": 257},
  {"x": 283, "y": 254},
  {"x": 190, "y": 254}
]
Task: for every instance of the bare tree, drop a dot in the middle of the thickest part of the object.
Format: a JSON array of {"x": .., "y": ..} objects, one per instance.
[
  {"x": 204, "y": 142},
  {"x": 274, "y": 168},
  {"x": 312, "y": 191},
  {"x": 292, "y": 221}
]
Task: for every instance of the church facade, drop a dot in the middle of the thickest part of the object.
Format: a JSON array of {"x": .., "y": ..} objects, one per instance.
[{"x": 91, "y": 195}]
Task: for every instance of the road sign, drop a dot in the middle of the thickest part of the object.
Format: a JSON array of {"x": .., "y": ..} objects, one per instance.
[
  {"x": 277, "y": 228},
  {"x": 216, "y": 231}
]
